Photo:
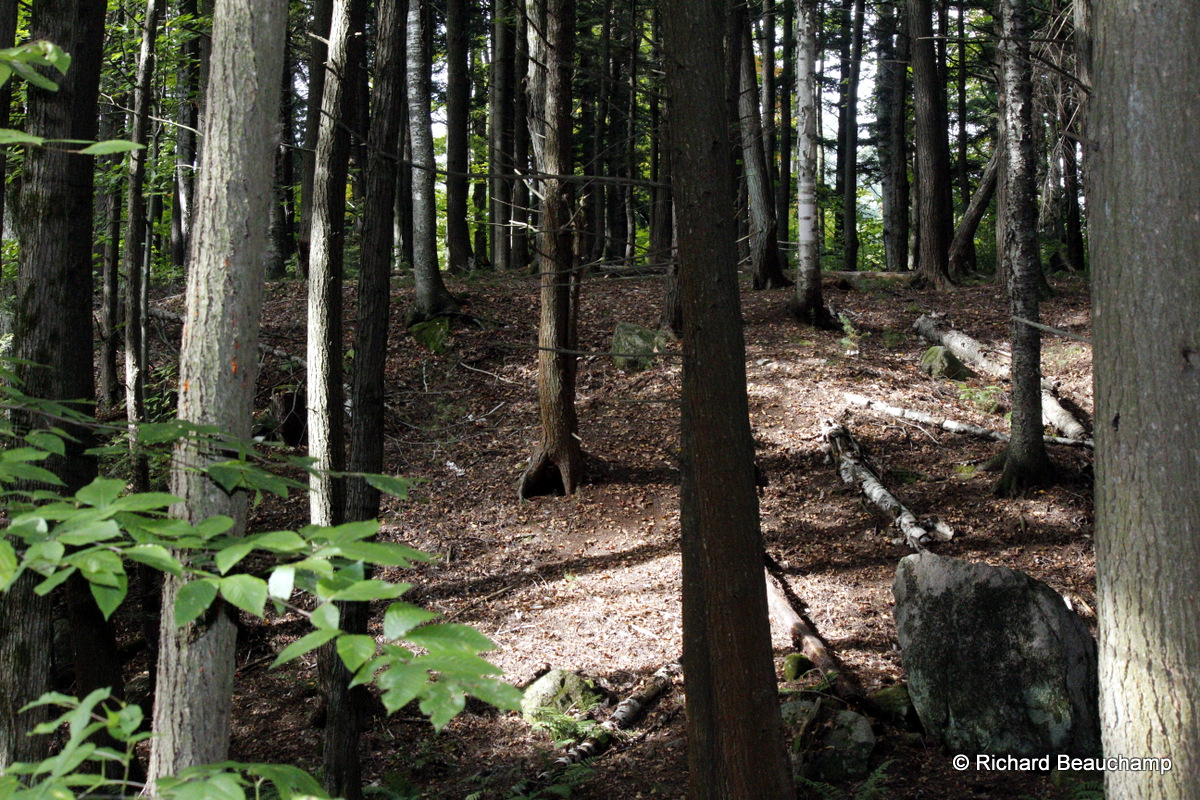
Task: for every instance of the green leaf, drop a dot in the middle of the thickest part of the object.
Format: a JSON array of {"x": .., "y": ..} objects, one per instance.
[
  {"x": 495, "y": 692},
  {"x": 44, "y": 440},
  {"x": 101, "y": 492},
  {"x": 326, "y": 617},
  {"x": 401, "y": 683},
  {"x": 355, "y": 650},
  {"x": 231, "y": 554},
  {"x": 43, "y": 554},
  {"x": 349, "y": 532},
  {"x": 155, "y": 555},
  {"x": 146, "y": 501},
  {"x": 128, "y": 720},
  {"x": 450, "y": 637},
  {"x": 108, "y": 598},
  {"x": 442, "y": 702},
  {"x": 304, "y": 644},
  {"x": 221, "y": 786},
  {"x": 110, "y": 146},
  {"x": 400, "y": 618},
  {"x": 98, "y": 566},
  {"x": 395, "y": 486},
  {"x": 281, "y": 582},
  {"x": 90, "y": 533},
  {"x": 246, "y": 592},
  {"x": 371, "y": 590},
  {"x": 214, "y": 526},
  {"x": 456, "y": 665},
  {"x": 8, "y": 563},
  {"x": 193, "y": 599},
  {"x": 9, "y": 136},
  {"x": 387, "y": 554},
  {"x": 53, "y": 581},
  {"x": 280, "y": 542},
  {"x": 292, "y": 783},
  {"x": 28, "y": 472}
]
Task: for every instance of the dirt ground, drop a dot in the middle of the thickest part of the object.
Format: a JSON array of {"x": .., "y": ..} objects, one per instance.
[{"x": 592, "y": 582}]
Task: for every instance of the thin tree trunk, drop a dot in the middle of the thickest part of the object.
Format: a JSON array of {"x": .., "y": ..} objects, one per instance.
[
  {"x": 934, "y": 200},
  {"x": 282, "y": 239},
  {"x": 783, "y": 188},
  {"x": 891, "y": 134},
  {"x": 458, "y": 101},
  {"x": 224, "y": 298},
  {"x": 501, "y": 91},
  {"x": 187, "y": 92},
  {"x": 962, "y": 249},
  {"x": 557, "y": 466},
  {"x": 850, "y": 146},
  {"x": 322, "y": 12},
  {"x": 521, "y": 194}
]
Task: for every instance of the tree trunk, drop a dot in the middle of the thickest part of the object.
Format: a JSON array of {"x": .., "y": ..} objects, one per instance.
[
  {"x": 217, "y": 372},
  {"x": 431, "y": 298},
  {"x": 501, "y": 92},
  {"x": 1145, "y": 249},
  {"x": 187, "y": 93},
  {"x": 850, "y": 147},
  {"x": 891, "y": 134},
  {"x": 735, "y": 745},
  {"x": 521, "y": 194},
  {"x": 808, "y": 305},
  {"x": 458, "y": 134},
  {"x": 8, "y": 34},
  {"x": 322, "y": 12},
  {"x": 787, "y": 132},
  {"x": 962, "y": 249},
  {"x": 934, "y": 202},
  {"x": 557, "y": 466},
  {"x": 1025, "y": 461},
  {"x": 283, "y": 243}
]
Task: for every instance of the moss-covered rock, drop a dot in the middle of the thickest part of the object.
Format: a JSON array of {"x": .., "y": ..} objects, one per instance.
[
  {"x": 634, "y": 347},
  {"x": 938, "y": 362},
  {"x": 559, "y": 691}
]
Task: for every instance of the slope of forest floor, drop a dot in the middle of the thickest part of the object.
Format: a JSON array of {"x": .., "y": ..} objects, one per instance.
[{"x": 592, "y": 582}]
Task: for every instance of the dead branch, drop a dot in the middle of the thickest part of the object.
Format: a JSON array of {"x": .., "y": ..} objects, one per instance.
[
  {"x": 854, "y": 469},
  {"x": 954, "y": 426}
]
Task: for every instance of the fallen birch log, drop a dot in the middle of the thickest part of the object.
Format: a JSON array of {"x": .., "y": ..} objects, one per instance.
[
  {"x": 854, "y": 469},
  {"x": 954, "y": 426},
  {"x": 974, "y": 354},
  {"x": 806, "y": 640},
  {"x": 622, "y": 717}
]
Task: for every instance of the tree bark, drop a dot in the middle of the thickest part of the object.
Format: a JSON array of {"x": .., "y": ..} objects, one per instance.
[
  {"x": 187, "y": 93},
  {"x": 557, "y": 466},
  {"x": 1145, "y": 249},
  {"x": 850, "y": 146},
  {"x": 322, "y": 13},
  {"x": 458, "y": 101},
  {"x": 735, "y": 746},
  {"x": 892, "y": 143},
  {"x": 217, "y": 372},
  {"x": 962, "y": 248},
  {"x": 431, "y": 297},
  {"x": 934, "y": 201},
  {"x": 501, "y": 92},
  {"x": 1025, "y": 461},
  {"x": 787, "y": 132}
]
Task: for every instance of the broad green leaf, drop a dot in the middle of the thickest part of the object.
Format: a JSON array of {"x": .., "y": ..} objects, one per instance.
[
  {"x": 348, "y": 532},
  {"x": 146, "y": 501},
  {"x": 110, "y": 146},
  {"x": 8, "y": 563},
  {"x": 366, "y": 672},
  {"x": 442, "y": 702},
  {"x": 108, "y": 598},
  {"x": 496, "y": 692},
  {"x": 292, "y": 783},
  {"x": 246, "y": 592},
  {"x": 304, "y": 644},
  {"x": 400, "y": 618},
  {"x": 90, "y": 533},
  {"x": 98, "y": 565},
  {"x": 20, "y": 471},
  {"x": 401, "y": 683},
  {"x": 193, "y": 599},
  {"x": 221, "y": 786},
  {"x": 371, "y": 590},
  {"x": 129, "y": 719},
  {"x": 45, "y": 553},
  {"x": 280, "y": 542},
  {"x": 214, "y": 526},
  {"x": 387, "y": 554},
  {"x": 318, "y": 566},
  {"x": 355, "y": 650},
  {"x": 53, "y": 581},
  {"x": 155, "y": 555},
  {"x": 450, "y": 637},
  {"x": 395, "y": 486},
  {"x": 100, "y": 492},
  {"x": 457, "y": 665},
  {"x": 281, "y": 582},
  {"x": 44, "y": 440},
  {"x": 26, "y": 454},
  {"x": 9, "y": 136},
  {"x": 326, "y": 617},
  {"x": 231, "y": 554}
]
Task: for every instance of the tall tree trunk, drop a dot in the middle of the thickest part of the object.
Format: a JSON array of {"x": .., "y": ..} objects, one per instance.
[
  {"x": 934, "y": 201},
  {"x": 557, "y": 466},
  {"x": 1075, "y": 249},
  {"x": 283, "y": 242},
  {"x": 766, "y": 264},
  {"x": 501, "y": 91},
  {"x": 783, "y": 187},
  {"x": 1025, "y": 461},
  {"x": 850, "y": 146},
  {"x": 735, "y": 744},
  {"x": 521, "y": 194},
  {"x": 458, "y": 134},
  {"x": 962, "y": 249},
  {"x": 8, "y": 34},
  {"x": 224, "y": 299},
  {"x": 112, "y": 127},
  {"x": 431, "y": 298},
  {"x": 135, "y": 247},
  {"x": 187, "y": 93},
  {"x": 960, "y": 74},
  {"x": 479, "y": 199},
  {"x": 1145, "y": 248},
  {"x": 322, "y": 12},
  {"x": 845, "y": 36},
  {"x": 809, "y": 303},
  {"x": 891, "y": 135},
  {"x": 54, "y": 296}
]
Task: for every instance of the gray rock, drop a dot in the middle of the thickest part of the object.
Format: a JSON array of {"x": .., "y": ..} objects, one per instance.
[
  {"x": 637, "y": 346},
  {"x": 996, "y": 662},
  {"x": 938, "y": 362},
  {"x": 559, "y": 691},
  {"x": 848, "y": 747}
]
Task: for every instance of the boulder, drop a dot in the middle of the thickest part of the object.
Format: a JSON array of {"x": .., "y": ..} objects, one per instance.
[
  {"x": 996, "y": 662},
  {"x": 938, "y": 362},
  {"x": 848, "y": 745},
  {"x": 635, "y": 347},
  {"x": 559, "y": 691}
]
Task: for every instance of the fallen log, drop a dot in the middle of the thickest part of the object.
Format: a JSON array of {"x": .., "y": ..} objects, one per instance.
[
  {"x": 954, "y": 426},
  {"x": 622, "y": 717},
  {"x": 976, "y": 355},
  {"x": 806, "y": 640},
  {"x": 854, "y": 469}
]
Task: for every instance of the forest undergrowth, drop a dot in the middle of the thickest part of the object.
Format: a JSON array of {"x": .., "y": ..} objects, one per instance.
[{"x": 592, "y": 582}]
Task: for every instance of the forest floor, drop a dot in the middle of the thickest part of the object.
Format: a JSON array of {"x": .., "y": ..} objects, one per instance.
[{"x": 592, "y": 582}]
